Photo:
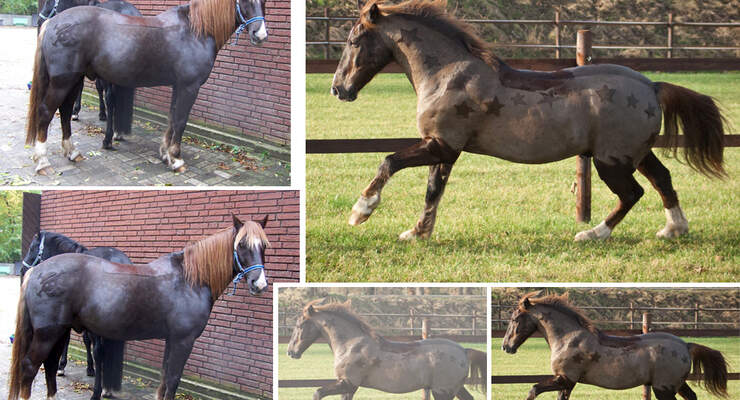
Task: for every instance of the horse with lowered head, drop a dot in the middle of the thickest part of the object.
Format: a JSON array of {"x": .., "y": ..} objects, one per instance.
[
  {"x": 470, "y": 100},
  {"x": 170, "y": 298},
  {"x": 581, "y": 353},
  {"x": 364, "y": 358}
]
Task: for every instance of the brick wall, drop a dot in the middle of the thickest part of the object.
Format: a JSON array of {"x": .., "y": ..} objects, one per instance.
[
  {"x": 249, "y": 87},
  {"x": 236, "y": 346}
]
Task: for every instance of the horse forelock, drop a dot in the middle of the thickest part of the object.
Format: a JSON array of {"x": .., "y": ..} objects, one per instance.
[
  {"x": 562, "y": 304},
  {"x": 253, "y": 233},
  {"x": 209, "y": 262},
  {"x": 216, "y": 18},
  {"x": 434, "y": 14},
  {"x": 343, "y": 311}
]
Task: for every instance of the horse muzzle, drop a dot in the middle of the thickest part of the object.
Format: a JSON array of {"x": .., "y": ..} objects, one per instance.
[
  {"x": 258, "y": 36},
  {"x": 343, "y": 94},
  {"x": 294, "y": 355},
  {"x": 508, "y": 349}
]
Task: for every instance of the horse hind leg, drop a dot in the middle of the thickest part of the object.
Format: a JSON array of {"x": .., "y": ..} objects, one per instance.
[
  {"x": 100, "y": 86},
  {"x": 618, "y": 177},
  {"x": 41, "y": 350},
  {"x": 78, "y": 104},
  {"x": 660, "y": 178},
  {"x": 686, "y": 392},
  {"x": 463, "y": 394},
  {"x": 664, "y": 394},
  {"x": 65, "y": 113},
  {"x": 63, "y": 356},
  {"x": 51, "y": 365}
]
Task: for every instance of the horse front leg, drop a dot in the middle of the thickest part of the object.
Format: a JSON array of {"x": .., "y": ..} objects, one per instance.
[
  {"x": 183, "y": 103},
  {"x": 108, "y": 141},
  {"x": 438, "y": 176},
  {"x": 99, "y": 356},
  {"x": 429, "y": 151},
  {"x": 100, "y": 85},
  {"x": 178, "y": 355},
  {"x": 62, "y": 364},
  {"x": 339, "y": 387},
  {"x": 558, "y": 382},
  {"x": 167, "y": 137},
  {"x": 90, "y": 361},
  {"x": 165, "y": 362}
]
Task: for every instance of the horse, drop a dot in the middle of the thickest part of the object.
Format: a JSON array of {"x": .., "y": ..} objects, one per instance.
[
  {"x": 108, "y": 353},
  {"x": 118, "y": 100},
  {"x": 581, "y": 353},
  {"x": 176, "y": 48},
  {"x": 170, "y": 298},
  {"x": 470, "y": 100},
  {"x": 363, "y": 358}
]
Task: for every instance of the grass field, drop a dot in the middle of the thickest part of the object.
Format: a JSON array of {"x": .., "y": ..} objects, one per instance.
[
  {"x": 500, "y": 221},
  {"x": 533, "y": 358},
  {"x": 318, "y": 363}
]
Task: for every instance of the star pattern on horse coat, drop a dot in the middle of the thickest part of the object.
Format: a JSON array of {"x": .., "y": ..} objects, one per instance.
[
  {"x": 606, "y": 94},
  {"x": 548, "y": 98},
  {"x": 518, "y": 99},
  {"x": 595, "y": 357},
  {"x": 457, "y": 83},
  {"x": 650, "y": 111},
  {"x": 578, "y": 358},
  {"x": 632, "y": 101},
  {"x": 431, "y": 61},
  {"x": 493, "y": 107},
  {"x": 463, "y": 109},
  {"x": 409, "y": 36}
]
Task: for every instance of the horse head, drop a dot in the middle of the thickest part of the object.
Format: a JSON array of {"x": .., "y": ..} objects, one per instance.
[
  {"x": 250, "y": 243},
  {"x": 305, "y": 333},
  {"x": 521, "y": 326},
  {"x": 36, "y": 251},
  {"x": 364, "y": 55},
  {"x": 250, "y": 15}
]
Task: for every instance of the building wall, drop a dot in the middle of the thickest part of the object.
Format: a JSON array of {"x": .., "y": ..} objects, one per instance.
[
  {"x": 249, "y": 87},
  {"x": 236, "y": 347}
]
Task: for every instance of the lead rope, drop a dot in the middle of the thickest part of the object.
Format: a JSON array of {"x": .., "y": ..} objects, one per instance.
[
  {"x": 245, "y": 22},
  {"x": 243, "y": 271}
]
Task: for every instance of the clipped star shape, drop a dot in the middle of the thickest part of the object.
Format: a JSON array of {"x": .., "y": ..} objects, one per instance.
[
  {"x": 606, "y": 94},
  {"x": 457, "y": 83},
  {"x": 547, "y": 98},
  {"x": 595, "y": 357},
  {"x": 632, "y": 101},
  {"x": 409, "y": 36},
  {"x": 493, "y": 107},
  {"x": 578, "y": 358},
  {"x": 463, "y": 109},
  {"x": 432, "y": 62},
  {"x": 518, "y": 99},
  {"x": 650, "y": 111}
]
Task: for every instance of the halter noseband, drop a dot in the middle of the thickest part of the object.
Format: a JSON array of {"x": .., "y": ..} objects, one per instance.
[
  {"x": 38, "y": 255},
  {"x": 243, "y": 271},
  {"x": 245, "y": 22},
  {"x": 53, "y": 11}
]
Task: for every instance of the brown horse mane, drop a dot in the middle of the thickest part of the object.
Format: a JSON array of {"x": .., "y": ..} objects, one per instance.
[
  {"x": 210, "y": 261},
  {"x": 434, "y": 14},
  {"x": 215, "y": 18},
  {"x": 562, "y": 304},
  {"x": 344, "y": 311}
]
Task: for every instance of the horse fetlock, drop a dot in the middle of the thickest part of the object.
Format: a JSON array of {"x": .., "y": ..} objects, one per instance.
[
  {"x": 599, "y": 232},
  {"x": 676, "y": 224},
  {"x": 363, "y": 208},
  {"x": 60, "y": 372}
]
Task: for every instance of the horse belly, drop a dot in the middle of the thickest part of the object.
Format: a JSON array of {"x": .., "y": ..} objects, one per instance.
[
  {"x": 398, "y": 373},
  {"x": 619, "y": 369}
]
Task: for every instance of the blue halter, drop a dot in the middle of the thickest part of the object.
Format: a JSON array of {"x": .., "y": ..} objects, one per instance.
[
  {"x": 38, "y": 255},
  {"x": 243, "y": 271},
  {"x": 245, "y": 22},
  {"x": 53, "y": 11}
]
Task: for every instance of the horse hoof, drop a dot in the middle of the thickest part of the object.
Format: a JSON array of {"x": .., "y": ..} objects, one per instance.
[
  {"x": 671, "y": 232},
  {"x": 180, "y": 169},
  {"x": 599, "y": 232},
  {"x": 108, "y": 394},
  {"x": 412, "y": 234},
  {"x": 109, "y": 147},
  {"x": 75, "y": 117},
  {"x": 78, "y": 158},
  {"x": 45, "y": 171},
  {"x": 363, "y": 208},
  {"x": 356, "y": 218},
  {"x": 60, "y": 372},
  {"x": 90, "y": 372}
]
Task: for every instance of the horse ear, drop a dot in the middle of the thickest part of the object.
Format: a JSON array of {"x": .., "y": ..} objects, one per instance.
[
  {"x": 310, "y": 311},
  {"x": 263, "y": 223},
  {"x": 373, "y": 13},
  {"x": 526, "y": 303},
  {"x": 237, "y": 223}
]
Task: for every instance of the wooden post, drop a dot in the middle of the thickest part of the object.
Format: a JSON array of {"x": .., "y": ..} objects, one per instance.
[
  {"x": 425, "y": 335},
  {"x": 632, "y": 315},
  {"x": 475, "y": 317},
  {"x": 670, "y": 35},
  {"x": 411, "y": 321},
  {"x": 557, "y": 34},
  {"x": 583, "y": 166},
  {"x": 326, "y": 34},
  {"x": 696, "y": 315},
  {"x": 646, "y": 329}
]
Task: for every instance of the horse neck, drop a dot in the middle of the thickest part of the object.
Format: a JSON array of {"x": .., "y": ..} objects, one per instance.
[
  {"x": 555, "y": 325},
  {"x": 338, "y": 330},
  {"x": 422, "y": 51}
]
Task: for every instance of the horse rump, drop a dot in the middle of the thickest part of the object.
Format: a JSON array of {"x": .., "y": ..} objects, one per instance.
[
  {"x": 711, "y": 368},
  {"x": 702, "y": 124},
  {"x": 21, "y": 344},
  {"x": 478, "y": 373}
]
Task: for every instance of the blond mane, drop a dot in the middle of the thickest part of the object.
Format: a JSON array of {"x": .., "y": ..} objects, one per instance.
[
  {"x": 434, "y": 14},
  {"x": 344, "y": 311},
  {"x": 210, "y": 261},
  {"x": 562, "y": 304},
  {"x": 215, "y": 18}
]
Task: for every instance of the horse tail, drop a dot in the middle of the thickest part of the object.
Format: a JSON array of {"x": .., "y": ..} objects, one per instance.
[
  {"x": 123, "y": 97},
  {"x": 711, "y": 367},
  {"x": 478, "y": 363},
  {"x": 38, "y": 89},
  {"x": 702, "y": 124},
  {"x": 112, "y": 363},
  {"x": 21, "y": 344}
]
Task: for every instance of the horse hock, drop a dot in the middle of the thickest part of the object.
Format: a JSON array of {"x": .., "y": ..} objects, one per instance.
[{"x": 363, "y": 208}]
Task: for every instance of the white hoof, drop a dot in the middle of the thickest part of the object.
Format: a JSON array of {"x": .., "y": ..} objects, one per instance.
[
  {"x": 676, "y": 224},
  {"x": 599, "y": 232},
  {"x": 363, "y": 208},
  {"x": 42, "y": 164},
  {"x": 412, "y": 234},
  {"x": 60, "y": 372},
  {"x": 117, "y": 136},
  {"x": 178, "y": 164}
]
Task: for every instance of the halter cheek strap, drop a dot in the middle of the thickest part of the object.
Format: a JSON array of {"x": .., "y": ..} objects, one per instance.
[
  {"x": 38, "y": 255},
  {"x": 243, "y": 271},
  {"x": 53, "y": 11},
  {"x": 245, "y": 22}
]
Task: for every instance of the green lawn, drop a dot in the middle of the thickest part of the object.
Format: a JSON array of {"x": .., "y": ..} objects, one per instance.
[
  {"x": 318, "y": 363},
  {"x": 500, "y": 221},
  {"x": 533, "y": 358}
]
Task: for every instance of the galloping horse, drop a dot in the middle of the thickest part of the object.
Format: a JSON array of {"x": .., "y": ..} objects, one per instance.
[
  {"x": 582, "y": 353},
  {"x": 175, "y": 48},
  {"x": 118, "y": 100},
  {"x": 364, "y": 358},
  {"x": 169, "y": 298},
  {"x": 470, "y": 100}
]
